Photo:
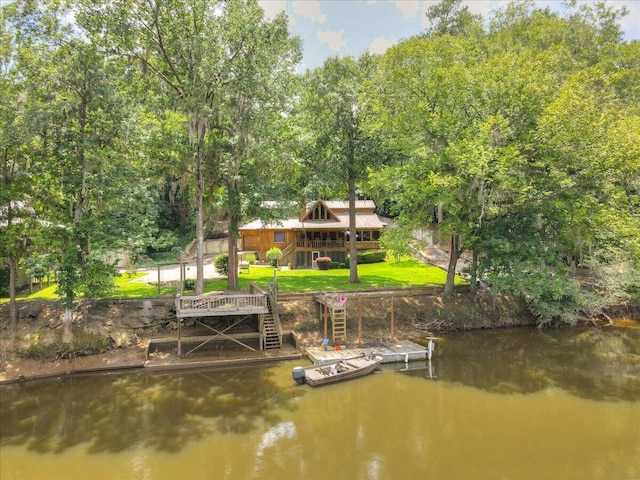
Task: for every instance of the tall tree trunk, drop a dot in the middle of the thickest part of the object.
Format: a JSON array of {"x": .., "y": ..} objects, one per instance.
[
  {"x": 232, "y": 277},
  {"x": 353, "y": 246},
  {"x": 454, "y": 254},
  {"x": 13, "y": 304},
  {"x": 67, "y": 334},
  {"x": 200, "y": 126}
]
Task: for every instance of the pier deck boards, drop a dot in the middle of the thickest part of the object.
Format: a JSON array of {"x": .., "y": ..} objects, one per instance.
[{"x": 391, "y": 352}]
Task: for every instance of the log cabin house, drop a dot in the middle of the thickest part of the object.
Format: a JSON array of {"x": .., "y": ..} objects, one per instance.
[{"x": 322, "y": 230}]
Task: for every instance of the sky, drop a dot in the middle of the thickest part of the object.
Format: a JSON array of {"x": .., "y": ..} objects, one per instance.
[{"x": 352, "y": 27}]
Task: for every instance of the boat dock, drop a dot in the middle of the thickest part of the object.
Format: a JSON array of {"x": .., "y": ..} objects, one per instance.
[{"x": 401, "y": 351}]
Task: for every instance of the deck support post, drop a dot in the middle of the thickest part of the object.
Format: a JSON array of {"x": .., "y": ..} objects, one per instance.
[
  {"x": 179, "y": 337},
  {"x": 359, "y": 320},
  {"x": 326, "y": 313},
  {"x": 182, "y": 277},
  {"x": 392, "y": 319}
]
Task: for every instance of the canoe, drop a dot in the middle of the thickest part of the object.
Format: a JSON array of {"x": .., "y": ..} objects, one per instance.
[{"x": 337, "y": 370}]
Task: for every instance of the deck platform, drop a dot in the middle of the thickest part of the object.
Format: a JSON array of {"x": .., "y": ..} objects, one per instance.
[{"x": 401, "y": 351}]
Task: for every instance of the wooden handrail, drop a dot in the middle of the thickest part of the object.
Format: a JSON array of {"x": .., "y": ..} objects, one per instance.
[{"x": 219, "y": 304}]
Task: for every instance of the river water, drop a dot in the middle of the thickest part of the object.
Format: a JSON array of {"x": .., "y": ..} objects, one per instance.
[{"x": 511, "y": 404}]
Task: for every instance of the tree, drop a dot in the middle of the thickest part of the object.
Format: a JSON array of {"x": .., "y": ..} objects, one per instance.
[
  {"x": 79, "y": 170},
  {"x": 332, "y": 108},
  {"x": 422, "y": 93},
  {"x": 451, "y": 16},
  {"x": 515, "y": 137},
  {"x": 251, "y": 107},
  {"x": 24, "y": 26},
  {"x": 211, "y": 57}
]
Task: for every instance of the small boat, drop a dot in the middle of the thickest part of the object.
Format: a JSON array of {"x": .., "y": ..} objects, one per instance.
[{"x": 337, "y": 370}]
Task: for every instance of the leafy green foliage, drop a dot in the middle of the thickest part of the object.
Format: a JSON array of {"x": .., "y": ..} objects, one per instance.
[
  {"x": 514, "y": 145},
  {"x": 221, "y": 263},
  {"x": 38, "y": 266},
  {"x": 371, "y": 256},
  {"x": 97, "y": 279},
  {"x": 273, "y": 255},
  {"x": 399, "y": 242}
]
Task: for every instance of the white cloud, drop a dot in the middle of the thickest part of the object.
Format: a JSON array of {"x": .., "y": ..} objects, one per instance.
[
  {"x": 408, "y": 7},
  {"x": 426, "y": 23},
  {"x": 272, "y": 7},
  {"x": 380, "y": 45},
  {"x": 333, "y": 40},
  {"x": 309, "y": 9},
  {"x": 482, "y": 7}
]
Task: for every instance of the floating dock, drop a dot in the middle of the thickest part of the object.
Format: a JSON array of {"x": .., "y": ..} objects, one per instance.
[{"x": 401, "y": 351}]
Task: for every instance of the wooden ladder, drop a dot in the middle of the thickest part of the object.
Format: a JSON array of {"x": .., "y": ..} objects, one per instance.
[
  {"x": 339, "y": 323},
  {"x": 271, "y": 331}
]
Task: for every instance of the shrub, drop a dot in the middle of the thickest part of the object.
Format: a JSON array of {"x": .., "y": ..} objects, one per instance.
[
  {"x": 323, "y": 263},
  {"x": 251, "y": 258},
  {"x": 221, "y": 264},
  {"x": 370, "y": 256},
  {"x": 274, "y": 254},
  {"x": 190, "y": 284}
]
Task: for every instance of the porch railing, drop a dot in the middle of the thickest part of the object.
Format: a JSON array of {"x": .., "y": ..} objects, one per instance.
[
  {"x": 341, "y": 244},
  {"x": 214, "y": 305}
]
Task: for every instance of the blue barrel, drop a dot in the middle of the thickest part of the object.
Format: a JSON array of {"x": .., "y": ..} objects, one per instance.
[{"x": 298, "y": 375}]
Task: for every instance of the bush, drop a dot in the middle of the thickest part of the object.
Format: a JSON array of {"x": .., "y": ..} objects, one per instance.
[
  {"x": 251, "y": 258},
  {"x": 274, "y": 254},
  {"x": 323, "y": 263},
  {"x": 221, "y": 264},
  {"x": 190, "y": 284},
  {"x": 370, "y": 256}
]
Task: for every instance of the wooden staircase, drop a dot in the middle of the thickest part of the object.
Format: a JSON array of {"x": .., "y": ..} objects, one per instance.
[
  {"x": 288, "y": 250},
  {"x": 271, "y": 329}
]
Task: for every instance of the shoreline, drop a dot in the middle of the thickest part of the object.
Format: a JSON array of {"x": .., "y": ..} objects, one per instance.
[{"x": 132, "y": 326}]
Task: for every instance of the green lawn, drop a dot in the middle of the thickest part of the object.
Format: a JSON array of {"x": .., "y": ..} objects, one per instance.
[
  {"x": 386, "y": 275},
  {"x": 407, "y": 273}
]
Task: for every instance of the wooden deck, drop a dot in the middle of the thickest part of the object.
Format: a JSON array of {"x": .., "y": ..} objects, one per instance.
[
  {"x": 220, "y": 305},
  {"x": 401, "y": 351}
]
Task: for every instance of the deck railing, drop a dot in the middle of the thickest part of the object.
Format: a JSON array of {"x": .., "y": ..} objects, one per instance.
[
  {"x": 323, "y": 244},
  {"x": 214, "y": 305}
]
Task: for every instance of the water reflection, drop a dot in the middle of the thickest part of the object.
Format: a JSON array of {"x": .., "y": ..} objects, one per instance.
[
  {"x": 597, "y": 364},
  {"x": 255, "y": 423},
  {"x": 116, "y": 412}
]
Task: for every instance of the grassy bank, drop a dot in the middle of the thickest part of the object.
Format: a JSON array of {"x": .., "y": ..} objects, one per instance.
[{"x": 385, "y": 275}]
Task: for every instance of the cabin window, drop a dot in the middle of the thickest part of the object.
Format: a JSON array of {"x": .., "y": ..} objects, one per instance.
[
  {"x": 376, "y": 235},
  {"x": 278, "y": 237},
  {"x": 366, "y": 235},
  {"x": 319, "y": 212}
]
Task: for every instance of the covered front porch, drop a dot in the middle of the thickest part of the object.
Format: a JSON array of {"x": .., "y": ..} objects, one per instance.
[{"x": 312, "y": 244}]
